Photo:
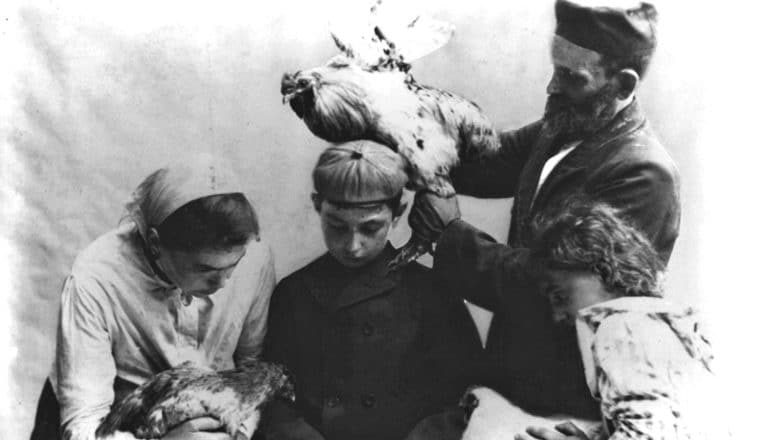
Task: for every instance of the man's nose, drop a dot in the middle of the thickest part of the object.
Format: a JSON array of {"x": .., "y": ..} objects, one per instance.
[{"x": 554, "y": 85}]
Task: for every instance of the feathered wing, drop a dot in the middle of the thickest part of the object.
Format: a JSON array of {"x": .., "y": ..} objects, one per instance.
[
  {"x": 185, "y": 392},
  {"x": 434, "y": 130},
  {"x": 387, "y": 33},
  {"x": 205, "y": 396},
  {"x": 232, "y": 396}
]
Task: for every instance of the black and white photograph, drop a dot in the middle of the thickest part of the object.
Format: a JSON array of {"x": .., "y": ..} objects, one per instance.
[{"x": 382, "y": 220}]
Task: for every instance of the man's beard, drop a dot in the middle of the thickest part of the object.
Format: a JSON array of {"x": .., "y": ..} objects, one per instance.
[{"x": 577, "y": 121}]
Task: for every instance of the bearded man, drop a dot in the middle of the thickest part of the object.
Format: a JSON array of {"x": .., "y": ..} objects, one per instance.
[{"x": 592, "y": 142}]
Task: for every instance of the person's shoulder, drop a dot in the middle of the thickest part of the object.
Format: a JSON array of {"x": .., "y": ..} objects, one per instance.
[
  {"x": 418, "y": 277},
  {"x": 304, "y": 275},
  {"x": 634, "y": 318},
  {"x": 417, "y": 268},
  {"x": 107, "y": 253},
  {"x": 317, "y": 266},
  {"x": 98, "y": 265},
  {"x": 642, "y": 145},
  {"x": 639, "y": 150}
]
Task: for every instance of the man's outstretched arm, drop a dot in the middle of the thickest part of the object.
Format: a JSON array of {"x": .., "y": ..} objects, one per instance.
[
  {"x": 470, "y": 262},
  {"x": 497, "y": 175}
]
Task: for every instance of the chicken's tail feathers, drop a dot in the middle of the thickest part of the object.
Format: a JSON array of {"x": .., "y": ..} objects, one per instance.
[
  {"x": 386, "y": 33},
  {"x": 477, "y": 134},
  {"x": 122, "y": 415},
  {"x": 477, "y": 141},
  {"x": 128, "y": 411}
]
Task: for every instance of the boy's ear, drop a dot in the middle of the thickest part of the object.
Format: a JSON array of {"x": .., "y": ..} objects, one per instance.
[{"x": 317, "y": 201}]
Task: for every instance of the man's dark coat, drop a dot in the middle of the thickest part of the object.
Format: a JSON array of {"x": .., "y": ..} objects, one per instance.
[
  {"x": 528, "y": 359},
  {"x": 371, "y": 352}
]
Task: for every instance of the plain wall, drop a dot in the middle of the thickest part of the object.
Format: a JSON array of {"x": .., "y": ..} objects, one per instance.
[{"x": 103, "y": 94}]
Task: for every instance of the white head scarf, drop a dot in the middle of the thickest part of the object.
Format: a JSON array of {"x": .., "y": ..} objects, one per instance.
[{"x": 173, "y": 186}]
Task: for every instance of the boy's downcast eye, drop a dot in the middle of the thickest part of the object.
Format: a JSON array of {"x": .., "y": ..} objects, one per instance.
[{"x": 371, "y": 228}]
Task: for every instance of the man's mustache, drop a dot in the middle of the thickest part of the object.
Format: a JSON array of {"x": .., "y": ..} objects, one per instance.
[{"x": 558, "y": 103}]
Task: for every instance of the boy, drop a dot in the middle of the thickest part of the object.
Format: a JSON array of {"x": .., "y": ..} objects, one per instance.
[{"x": 371, "y": 352}]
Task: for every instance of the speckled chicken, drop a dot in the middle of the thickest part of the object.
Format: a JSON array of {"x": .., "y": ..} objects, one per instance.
[
  {"x": 186, "y": 392},
  {"x": 367, "y": 92}
]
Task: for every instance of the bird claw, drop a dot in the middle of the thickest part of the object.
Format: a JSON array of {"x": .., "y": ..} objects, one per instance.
[
  {"x": 411, "y": 251},
  {"x": 400, "y": 260}
]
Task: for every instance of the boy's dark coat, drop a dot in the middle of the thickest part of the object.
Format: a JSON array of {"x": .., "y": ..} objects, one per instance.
[{"x": 371, "y": 353}]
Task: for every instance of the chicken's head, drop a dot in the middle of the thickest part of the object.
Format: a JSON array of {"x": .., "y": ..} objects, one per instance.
[
  {"x": 337, "y": 100},
  {"x": 285, "y": 385},
  {"x": 298, "y": 90},
  {"x": 469, "y": 402}
]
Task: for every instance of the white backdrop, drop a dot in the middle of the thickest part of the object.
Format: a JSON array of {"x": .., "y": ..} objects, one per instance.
[{"x": 102, "y": 93}]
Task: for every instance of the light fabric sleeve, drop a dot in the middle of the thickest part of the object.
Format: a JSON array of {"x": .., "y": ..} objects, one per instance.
[
  {"x": 638, "y": 366},
  {"x": 84, "y": 369},
  {"x": 251, "y": 340}
]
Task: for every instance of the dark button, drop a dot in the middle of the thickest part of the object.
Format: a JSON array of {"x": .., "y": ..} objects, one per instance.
[
  {"x": 368, "y": 400},
  {"x": 333, "y": 401},
  {"x": 367, "y": 329}
]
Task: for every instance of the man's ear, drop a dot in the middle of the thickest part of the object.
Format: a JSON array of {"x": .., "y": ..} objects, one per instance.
[
  {"x": 153, "y": 242},
  {"x": 628, "y": 79},
  {"x": 317, "y": 201}
]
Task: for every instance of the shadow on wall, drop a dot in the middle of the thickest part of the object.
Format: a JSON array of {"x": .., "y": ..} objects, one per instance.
[{"x": 107, "y": 94}]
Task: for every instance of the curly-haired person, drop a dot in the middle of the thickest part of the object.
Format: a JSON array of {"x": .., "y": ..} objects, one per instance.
[{"x": 644, "y": 357}]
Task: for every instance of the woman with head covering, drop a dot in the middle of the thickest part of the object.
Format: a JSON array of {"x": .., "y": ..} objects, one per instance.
[{"x": 185, "y": 278}]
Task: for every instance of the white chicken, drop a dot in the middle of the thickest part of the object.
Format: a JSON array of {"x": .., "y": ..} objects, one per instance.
[
  {"x": 491, "y": 416},
  {"x": 367, "y": 92}
]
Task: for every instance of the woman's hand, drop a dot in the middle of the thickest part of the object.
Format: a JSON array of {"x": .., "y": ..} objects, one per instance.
[
  {"x": 201, "y": 428},
  {"x": 564, "y": 431}
]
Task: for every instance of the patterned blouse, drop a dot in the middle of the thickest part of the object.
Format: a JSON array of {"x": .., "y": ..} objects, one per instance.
[{"x": 651, "y": 368}]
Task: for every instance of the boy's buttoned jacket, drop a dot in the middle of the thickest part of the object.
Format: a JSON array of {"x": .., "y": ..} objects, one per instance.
[{"x": 371, "y": 353}]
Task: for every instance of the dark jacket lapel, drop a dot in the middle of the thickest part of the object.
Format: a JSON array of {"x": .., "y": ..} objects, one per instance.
[
  {"x": 530, "y": 175},
  {"x": 334, "y": 286},
  {"x": 628, "y": 120},
  {"x": 374, "y": 280}
]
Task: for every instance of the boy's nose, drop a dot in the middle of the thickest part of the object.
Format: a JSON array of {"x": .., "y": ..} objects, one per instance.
[{"x": 354, "y": 244}]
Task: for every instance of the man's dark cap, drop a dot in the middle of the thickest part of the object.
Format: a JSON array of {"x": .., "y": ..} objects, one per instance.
[{"x": 616, "y": 31}]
